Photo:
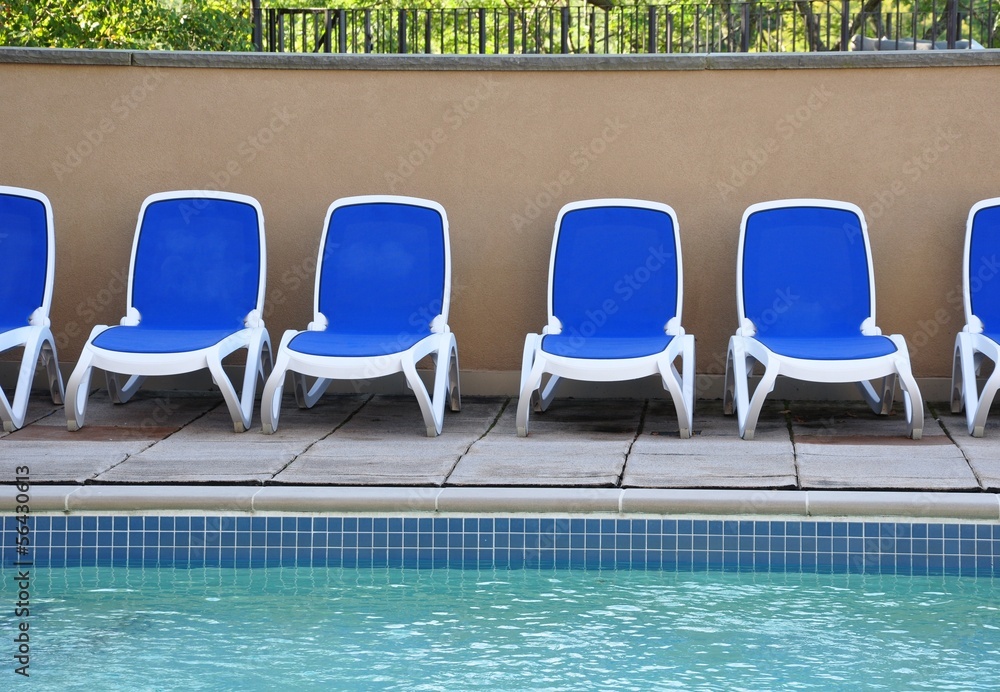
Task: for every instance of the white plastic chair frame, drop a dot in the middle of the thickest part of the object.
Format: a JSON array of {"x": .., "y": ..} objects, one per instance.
[
  {"x": 35, "y": 337},
  {"x": 138, "y": 366},
  {"x": 440, "y": 345},
  {"x": 536, "y": 363},
  {"x": 972, "y": 346},
  {"x": 745, "y": 350}
]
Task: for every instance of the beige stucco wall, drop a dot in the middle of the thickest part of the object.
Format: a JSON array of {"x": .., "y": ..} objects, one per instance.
[{"x": 502, "y": 150}]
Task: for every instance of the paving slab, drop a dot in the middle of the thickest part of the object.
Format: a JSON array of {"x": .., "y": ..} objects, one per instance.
[
  {"x": 843, "y": 445},
  {"x": 983, "y": 453},
  {"x": 59, "y": 463},
  {"x": 883, "y": 467},
  {"x": 827, "y": 419},
  {"x": 204, "y": 452},
  {"x": 709, "y": 421},
  {"x": 553, "y": 461},
  {"x": 572, "y": 446},
  {"x": 146, "y": 414},
  {"x": 714, "y": 456},
  {"x": 385, "y": 444},
  {"x": 710, "y": 471},
  {"x": 581, "y": 416},
  {"x": 39, "y": 406}
]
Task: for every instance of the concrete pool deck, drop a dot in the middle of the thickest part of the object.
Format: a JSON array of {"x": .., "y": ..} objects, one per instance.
[{"x": 173, "y": 451}]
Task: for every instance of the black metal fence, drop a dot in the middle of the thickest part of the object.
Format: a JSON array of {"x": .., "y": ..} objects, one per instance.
[{"x": 721, "y": 27}]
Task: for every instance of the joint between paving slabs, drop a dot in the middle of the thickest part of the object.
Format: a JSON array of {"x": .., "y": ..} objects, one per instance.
[
  {"x": 317, "y": 441},
  {"x": 493, "y": 424},
  {"x": 635, "y": 438},
  {"x": 791, "y": 437},
  {"x": 153, "y": 442},
  {"x": 940, "y": 421}
]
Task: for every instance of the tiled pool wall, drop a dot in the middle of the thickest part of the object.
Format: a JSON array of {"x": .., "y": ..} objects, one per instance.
[{"x": 876, "y": 547}]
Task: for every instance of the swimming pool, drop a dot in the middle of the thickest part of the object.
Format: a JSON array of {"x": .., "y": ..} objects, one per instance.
[
  {"x": 507, "y": 629},
  {"x": 415, "y": 601}
]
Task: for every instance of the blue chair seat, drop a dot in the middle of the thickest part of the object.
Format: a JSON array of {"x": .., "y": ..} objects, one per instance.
[
  {"x": 604, "y": 348},
  {"x": 830, "y": 348},
  {"x": 144, "y": 339},
  {"x": 334, "y": 345},
  {"x": 10, "y": 325}
]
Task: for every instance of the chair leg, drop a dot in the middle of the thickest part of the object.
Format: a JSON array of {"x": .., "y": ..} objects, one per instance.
[
  {"x": 270, "y": 398},
  {"x": 443, "y": 367},
  {"x": 957, "y": 381},
  {"x": 39, "y": 346},
  {"x": 880, "y": 402},
  {"x": 121, "y": 393},
  {"x": 51, "y": 362},
  {"x": 241, "y": 407},
  {"x": 969, "y": 360},
  {"x": 546, "y": 394},
  {"x": 748, "y": 407},
  {"x": 454, "y": 388},
  {"x": 306, "y": 396},
  {"x": 530, "y": 385},
  {"x": 681, "y": 388},
  {"x": 912, "y": 399},
  {"x": 78, "y": 391},
  {"x": 977, "y": 426},
  {"x": 432, "y": 410},
  {"x": 729, "y": 391}
]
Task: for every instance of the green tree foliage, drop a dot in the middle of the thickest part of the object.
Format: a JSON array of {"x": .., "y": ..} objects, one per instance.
[{"x": 143, "y": 24}]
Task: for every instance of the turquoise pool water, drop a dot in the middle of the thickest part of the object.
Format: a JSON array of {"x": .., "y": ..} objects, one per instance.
[{"x": 117, "y": 628}]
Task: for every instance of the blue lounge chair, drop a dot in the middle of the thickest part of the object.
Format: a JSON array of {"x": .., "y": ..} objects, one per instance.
[
  {"x": 27, "y": 266},
  {"x": 195, "y": 295},
  {"x": 980, "y": 338},
  {"x": 615, "y": 293},
  {"x": 805, "y": 295},
  {"x": 383, "y": 289}
]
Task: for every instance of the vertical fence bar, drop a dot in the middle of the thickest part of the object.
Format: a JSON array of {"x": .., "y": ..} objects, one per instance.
[
  {"x": 482, "y": 31},
  {"x": 652, "y": 29},
  {"x": 428, "y": 14},
  {"x": 745, "y": 27},
  {"x": 272, "y": 43},
  {"x": 670, "y": 32},
  {"x": 401, "y": 48},
  {"x": 257, "y": 35},
  {"x": 368, "y": 30},
  {"x": 341, "y": 31},
  {"x": 510, "y": 31},
  {"x": 328, "y": 22}
]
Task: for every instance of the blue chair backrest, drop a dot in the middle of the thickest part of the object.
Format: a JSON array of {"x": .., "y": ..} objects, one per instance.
[
  {"x": 806, "y": 272},
  {"x": 383, "y": 268},
  {"x": 984, "y": 268},
  {"x": 615, "y": 272},
  {"x": 197, "y": 263},
  {"x": 24, "y": 248}
]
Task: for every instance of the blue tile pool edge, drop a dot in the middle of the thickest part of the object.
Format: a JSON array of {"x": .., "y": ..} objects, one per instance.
[{"x": 584, "y": 541}]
